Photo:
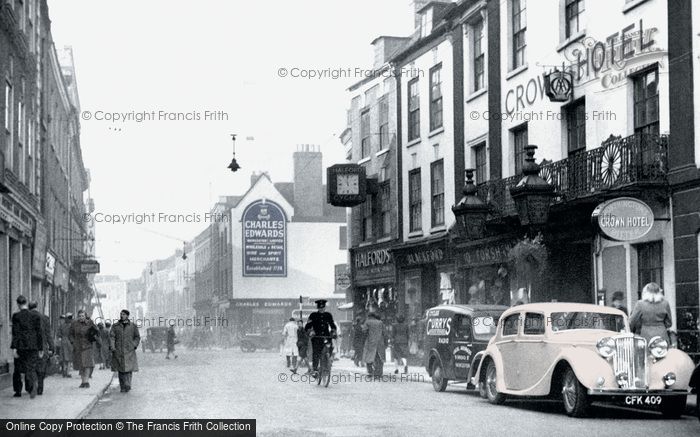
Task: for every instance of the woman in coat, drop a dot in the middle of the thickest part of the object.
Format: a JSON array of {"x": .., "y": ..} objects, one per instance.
[
  {"x": 652, "y": 314},
  {"x": 97, "y": 347},
  {"x": 83, "y": 334},
  {"x": 124, "y": 338},
  {"x": 375, "y": 345},
  {"x": 104, "y": 347}
]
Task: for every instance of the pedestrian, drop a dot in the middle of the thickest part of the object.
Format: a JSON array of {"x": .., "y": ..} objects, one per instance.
[
  {"x": 302, "y": 346},
  {"x": 399, "y": 333},
  {"x": 618, "y": 298},
  {"x": 320, "y": 324},
  {"x": 375, "y": 346},
  {"x": 358, "y": 341},
  {"x": 104, "y": 345},
  {"x": 66, "y": 346},
  {"x": 652, "y": 314},
  {"x": 44, "y": 361},
  {"x": 97, "y": 347},
  {"x": 291, "y": 350},
  {"x": 170, "y": 342},
  {"x": 123, "y": 341},
  {"x": 27, "y": 345},
  {"x": 83, "y": 334}
]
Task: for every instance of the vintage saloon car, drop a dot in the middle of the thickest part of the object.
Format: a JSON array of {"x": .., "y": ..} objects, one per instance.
[
  {"x": 581, "y": 353},
  {"x": 454, "y": 334}
]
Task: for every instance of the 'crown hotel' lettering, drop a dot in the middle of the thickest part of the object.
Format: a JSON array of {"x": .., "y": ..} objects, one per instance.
[{"x": 613, "y": 221}]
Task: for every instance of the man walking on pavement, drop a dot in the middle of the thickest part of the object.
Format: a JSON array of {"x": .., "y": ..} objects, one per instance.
[
  {"x": 124, "y": 338},
  {"x": 27, "y": 344},
  {"x": 43, "y": 363},
  {"x": 319, "y": 324},
  {"x": 291, "y": 349},
  {"x": 66, "y": 346}
]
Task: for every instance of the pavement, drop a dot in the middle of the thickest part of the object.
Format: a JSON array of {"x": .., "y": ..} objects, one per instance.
[{"x": 62, "y": 399}]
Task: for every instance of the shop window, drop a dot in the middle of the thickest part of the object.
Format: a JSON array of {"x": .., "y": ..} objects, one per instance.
[
  {"x": 510, "y": 324},
  {"x": 488, "y": 285},
  {"x": 650, "y": 262},
  {"x": 534, "y": 324},
  {"x": 413, "y": 296},
  {"x": 646, "y": 103},
  {"x": 463, "y": 328}
]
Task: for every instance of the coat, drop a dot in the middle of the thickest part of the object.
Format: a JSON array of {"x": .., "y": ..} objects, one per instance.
[
  {"x": 651, "y": 319},
  {"x": 27, "y": 332},
  {"x": 66, "y": 346},
  {"x": 124, "y": 338},
  {"x": 81, "y": 332},
  {"x": 104, "y": 346},
  {"x": 375, "y": 344}
]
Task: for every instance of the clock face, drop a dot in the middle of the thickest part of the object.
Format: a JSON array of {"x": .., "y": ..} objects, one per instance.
[{"x": 348, "y": 184}]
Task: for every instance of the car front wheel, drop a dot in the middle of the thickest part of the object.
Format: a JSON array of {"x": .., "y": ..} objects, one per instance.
[
  {"x": 574, "y": 395},
  {"x": 439, "y": 381},
  {"x": 673, "y": 407},
  {"x": 489, "y": 383}
]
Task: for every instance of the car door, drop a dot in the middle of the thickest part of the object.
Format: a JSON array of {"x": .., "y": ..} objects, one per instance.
[
  {"x": 506, "y": 346},
  {"x": 531, "y": 351},
  {"x": 462, "y": 346}
]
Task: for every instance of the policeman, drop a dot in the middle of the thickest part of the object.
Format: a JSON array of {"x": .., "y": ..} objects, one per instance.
[{"x": 319, "y": 324}]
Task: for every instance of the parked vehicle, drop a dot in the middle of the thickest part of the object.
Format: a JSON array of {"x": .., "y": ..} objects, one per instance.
[
  {"x": 156, "y": 338},
  {"x": 454, "y": 334},
  {"x": 268, "y": 341},
  {"x": 695, "y": 386},
  {"x": 581, "y": 353}
]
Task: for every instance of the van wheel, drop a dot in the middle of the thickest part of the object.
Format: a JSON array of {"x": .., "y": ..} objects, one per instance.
[
  {"x": 439, "y": 381},
  {"x": 673, "y": 407},
  {"x": 489, "y": 383},
  {"x": 574, "y": 395}
]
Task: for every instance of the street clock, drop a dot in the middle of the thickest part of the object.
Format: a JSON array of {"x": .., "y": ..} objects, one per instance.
[{"x": 346, "y": 184}]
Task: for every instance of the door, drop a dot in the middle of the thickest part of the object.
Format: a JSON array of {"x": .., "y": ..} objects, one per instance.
[
  {"x": 507, "y": 347},
  {"x": 531, "y": 351},
  {"x": 462, "y": 346}
]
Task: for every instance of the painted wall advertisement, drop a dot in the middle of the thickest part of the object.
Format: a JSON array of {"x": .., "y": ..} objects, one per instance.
[{"x": 264, "y": 230}]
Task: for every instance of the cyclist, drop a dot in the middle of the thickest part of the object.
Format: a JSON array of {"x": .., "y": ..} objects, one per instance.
[{"x": 320, "y": 324}]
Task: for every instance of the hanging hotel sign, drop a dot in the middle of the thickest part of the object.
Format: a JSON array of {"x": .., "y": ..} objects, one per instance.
[
  {"x": 623, "y": 219},
  {"x": 89, "y": 266},
  {"x": 559, "y": 85},
  {"x": 264, "y": 231}
]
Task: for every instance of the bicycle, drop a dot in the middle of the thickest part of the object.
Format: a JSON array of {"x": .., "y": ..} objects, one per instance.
[{"x": 326, "y": 361}]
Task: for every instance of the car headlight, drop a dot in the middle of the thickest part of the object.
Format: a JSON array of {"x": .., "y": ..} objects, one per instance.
[
  {"x": 658, "y": 347},
  {"x": 606, "y": 347}
]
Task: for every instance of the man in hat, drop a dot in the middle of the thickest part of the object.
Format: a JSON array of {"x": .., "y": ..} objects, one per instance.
[
  {"x": 66, "y": 345},
  {"x": 320, "y": 324},
  {"x": 618, "y": 299},
  {"x": 43, "y": 363},
  {"x": 124, "y": 339},
  {"x": 27, "y": 345}
]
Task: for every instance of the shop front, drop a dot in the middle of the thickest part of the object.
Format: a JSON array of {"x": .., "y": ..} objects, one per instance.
[{"x": 373, "y": 278}]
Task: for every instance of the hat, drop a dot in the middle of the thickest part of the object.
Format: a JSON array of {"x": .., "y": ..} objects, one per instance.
[
  {"x": 321, "y": 303},
  {"x": 125, "y": 311},
  {"x": 618, "y": 295},
  {"x": 69, "y": 315},
  {"x": 62, "y": 316},
  {"x": 33, "y": 304}
]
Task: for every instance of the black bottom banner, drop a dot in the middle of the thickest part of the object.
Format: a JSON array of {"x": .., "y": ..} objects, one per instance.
[{"x": 128, "y": 427}]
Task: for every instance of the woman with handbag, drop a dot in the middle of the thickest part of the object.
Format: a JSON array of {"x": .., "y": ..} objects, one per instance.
[{"x": 83, "y": 334}]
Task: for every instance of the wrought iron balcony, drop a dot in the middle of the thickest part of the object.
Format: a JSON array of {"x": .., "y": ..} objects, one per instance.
[{"x": 619, "y": 163}]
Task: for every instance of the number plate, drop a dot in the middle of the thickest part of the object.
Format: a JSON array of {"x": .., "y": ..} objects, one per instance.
[{"x": 643, "y": 400}]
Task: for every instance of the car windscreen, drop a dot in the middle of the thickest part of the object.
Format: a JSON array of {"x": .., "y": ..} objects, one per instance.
[
  {"x": 586, "y": 320},
  {"x": 484, "y": 326}
]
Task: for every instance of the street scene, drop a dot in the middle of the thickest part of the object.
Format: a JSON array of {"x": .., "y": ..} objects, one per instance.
[{"x": 335, "y": 218}]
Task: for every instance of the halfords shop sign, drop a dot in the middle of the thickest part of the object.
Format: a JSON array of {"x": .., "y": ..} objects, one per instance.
[
  {"x": 264, "y": 230},
  {"x": 623, "y": 219}
]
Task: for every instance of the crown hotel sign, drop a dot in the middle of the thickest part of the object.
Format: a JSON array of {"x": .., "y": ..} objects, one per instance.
[
  {"x": 623, "y": 219},
  {"x": 559, "y": 85}
]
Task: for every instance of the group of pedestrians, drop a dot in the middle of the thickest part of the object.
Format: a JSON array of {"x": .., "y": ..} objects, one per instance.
[
  {"x": 371, "y": 338},
  {"x": 82, "y": 345}
]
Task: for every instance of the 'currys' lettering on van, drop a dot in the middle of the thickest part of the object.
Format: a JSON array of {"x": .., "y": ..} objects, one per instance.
[{"x": 439, "y": 326}]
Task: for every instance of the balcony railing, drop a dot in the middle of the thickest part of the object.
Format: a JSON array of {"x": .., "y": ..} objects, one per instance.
[{"x": 617, "y": 163}]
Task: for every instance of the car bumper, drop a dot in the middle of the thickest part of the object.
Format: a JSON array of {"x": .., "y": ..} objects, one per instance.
[{"x": 620, "y": 392}]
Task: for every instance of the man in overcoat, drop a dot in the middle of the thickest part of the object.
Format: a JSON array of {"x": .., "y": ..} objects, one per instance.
[
  {"x": 375, "y": 345},
  {"x": 66, "y": 346},
  {"x": 27, "y": 345},
  {"x": 44, "y": 361},
  {"x": 124, "y": 339}
]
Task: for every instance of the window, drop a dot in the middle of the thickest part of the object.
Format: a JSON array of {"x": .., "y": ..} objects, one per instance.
[
  {"x": 413, "y": 110},
  {"x": 646, "y": 103},
  {"x": 519, "y": 143},
  {"x": 463, "y": 328},
  {"x": 534, "y": 324},
  {"x": 573, "y": 11},
  {"x": 385, "y": 211},
  {"x": 365, "y": 143},
  {"x": 414, "y": 200},
  {"x": 650, "y": 262},
  {"x": 437, "y": 193},
  {"x": 519, "y": 21},
  {"x": 576, "y": 126},
  {"x": 480, "y": 163},
  {"x": 383, "y": 124},
  {"x": 9, "y": 122},
  {"x": 435, "y": 98},
  {"x": 478, "y": 54},
  {"x": 510, "y": 324},
  {"x": 367, "y": 233}
]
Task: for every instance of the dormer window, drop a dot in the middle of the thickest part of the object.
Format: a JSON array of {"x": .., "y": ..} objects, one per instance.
[{"x": 426, "y": 22}]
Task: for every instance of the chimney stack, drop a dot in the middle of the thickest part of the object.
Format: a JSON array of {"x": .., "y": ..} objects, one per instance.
[{"x": 308, "y": 182}]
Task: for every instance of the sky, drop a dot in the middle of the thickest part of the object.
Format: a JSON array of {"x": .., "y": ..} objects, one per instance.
[{"x": 151, "y": 60}]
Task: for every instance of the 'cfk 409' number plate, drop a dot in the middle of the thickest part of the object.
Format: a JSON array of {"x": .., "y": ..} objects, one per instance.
[{"x": 643, "y": 400}]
